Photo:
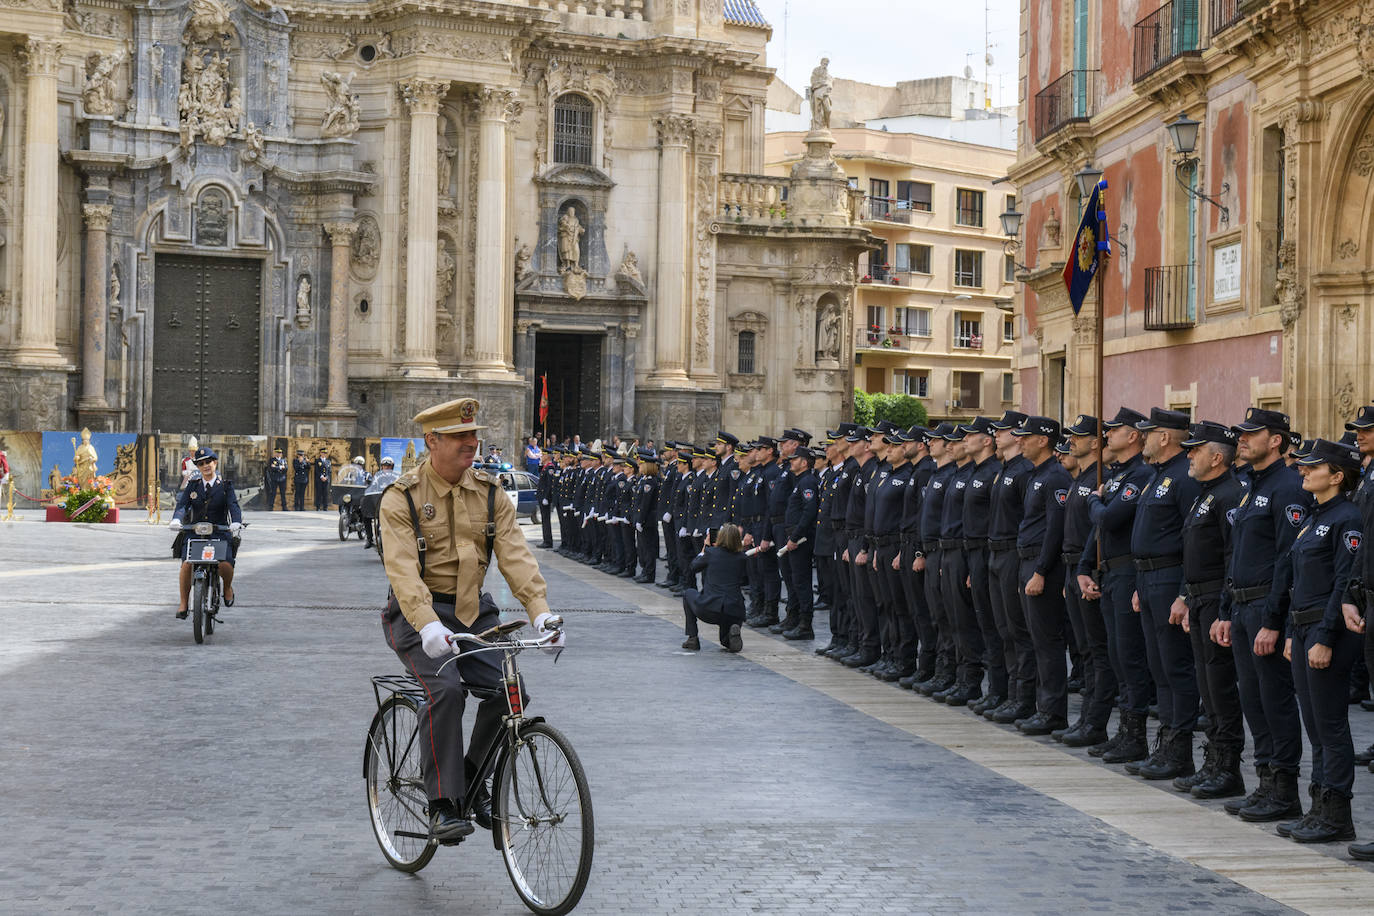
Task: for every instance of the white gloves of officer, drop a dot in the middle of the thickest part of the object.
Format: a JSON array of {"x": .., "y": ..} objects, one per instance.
[
  {"x": 667, "y": 516},
  {"x": 434, "y": 639},
  {"x": 682, "y": 532},
  {"x": 553, "y": 645},
  {"x": 639, "y": 526},
  {"x": 174, "y": 524},
  {"x": 544, "y": 502},
  {"x": 235, "y": 527}
]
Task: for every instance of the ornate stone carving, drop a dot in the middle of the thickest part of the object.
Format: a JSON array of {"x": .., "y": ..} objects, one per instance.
[
  {"x": 1345, "y": 399},
  {"x": 341, "y": 117},
  {"x": 321, "y": 47},
  {"x": 40, "y": 56},
  {"x": 575, "y": 283},
  {"x": 570, "y": 233},
  {"x": 445, "y": 271},
  {"x": 1363, "y": 159},
  {"x": 819, "y": 93},
  {"x": 97, "y": 216},
  {"x": 450, "y": 45},
  {"x": 209, "y": 19},
  {"x": 1346, "y": 314},
  {"x": 212, "y": 218},
  {"x": 674, "y": 129},
  {"x": 1288, "y": 292},
  {"x": 303, "y": 301},
  {"x": 93, "y": 22},
  {"x": 523, "y": 255},
  {"x": 210, "y": 109},
  {"x": 497, "y": 104},
  {"x": 341, "y": 232},
  {"x": 1347, "y": 250},
  {"x": 641, "y": 82},
  {"x": 628, "y": 274},
  {"x": 828, "y": 333},
  {"x": 97, "y": 97},
  {"x": 560, "y": 77},
  {"x": 443, "y": 163},
  {"x": 1052, "y": 230},
  {"x": 422, "y": 96},
  {"x": 367, "y": 246},
  {"x": 708, "y": 139},
  {"x": 113, "y": 293}
]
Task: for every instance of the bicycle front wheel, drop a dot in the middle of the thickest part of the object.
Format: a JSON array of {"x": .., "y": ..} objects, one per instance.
[
  {"x": 198, "y": 611},
  {"x": 543, "y": 820},
  {"x": 396, "y": 798}
]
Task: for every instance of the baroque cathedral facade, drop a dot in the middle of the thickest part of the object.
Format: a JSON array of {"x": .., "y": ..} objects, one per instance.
[{"x": 309, "y": 218}]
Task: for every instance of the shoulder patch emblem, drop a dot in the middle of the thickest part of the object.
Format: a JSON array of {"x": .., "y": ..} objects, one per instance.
[
  {"x": 1352, "y": 541},
  {"x": 194, "y": 494},
  {"x": 1204, "y": 506},
  {"x": 1322, "y": 530},
  {"x": 808, "y": 494},
  {"x": 1163, "y": 487},
  {"x": 1295, "y": 514},
  {"x": 1261, "y": 502},
  {"x": 734, "y": 475},
  {"x": 1129, "y": 492},
  {"x": 1038, "y": 484},
  {"x": 1061, "y": 496}
]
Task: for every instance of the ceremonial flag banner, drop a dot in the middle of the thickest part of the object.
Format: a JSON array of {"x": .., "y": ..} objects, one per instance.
[
  {"x": 544, "y": 401},
  {"x": 1088, "y": 244}
]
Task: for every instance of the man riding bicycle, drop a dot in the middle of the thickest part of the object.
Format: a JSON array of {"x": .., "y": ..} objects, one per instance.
[
  {"x": 208, "y": 498},
  {"x": 440, "y": 523}
]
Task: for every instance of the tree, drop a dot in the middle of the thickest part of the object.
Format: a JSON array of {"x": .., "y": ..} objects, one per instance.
[
  {"x": 863, "y": 408},
  {"x": 899, "y": 409}
]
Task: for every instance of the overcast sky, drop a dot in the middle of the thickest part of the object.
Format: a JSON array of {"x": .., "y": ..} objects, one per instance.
[{"x": 884, "y": 41}]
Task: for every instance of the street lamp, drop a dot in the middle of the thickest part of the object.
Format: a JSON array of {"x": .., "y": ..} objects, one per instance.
[
  {"x": 1183, "y": 134},
  {"x": 1011, "y": 228},
  {"x": 1087, "y": 178}
]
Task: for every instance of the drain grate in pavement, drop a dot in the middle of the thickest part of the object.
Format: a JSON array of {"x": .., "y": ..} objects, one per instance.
[{"x": 321, "y": 607}]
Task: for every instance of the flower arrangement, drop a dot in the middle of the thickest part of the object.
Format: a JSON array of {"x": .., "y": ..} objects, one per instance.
[
  {"x": 89, "y": 503},
  {"x": 896, "y": 330},
  {"x": 866, "y": 278},
  {"x": 874, "y": 328}
]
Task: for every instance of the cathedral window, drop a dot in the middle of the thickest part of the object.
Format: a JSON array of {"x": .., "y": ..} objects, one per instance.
[
  {"x": 746, "y": 352},
  {"x": 574, "y": 129}
]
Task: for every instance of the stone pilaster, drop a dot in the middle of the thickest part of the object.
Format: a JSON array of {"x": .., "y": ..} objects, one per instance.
[
  {"x": 670, "y": 324},
  {"x": 491, "y": 349},
  {"x": 422, "y": 97},
  {"x": 38, "y": 332},
  {"x": 341, "y": 250},
  {"x": 93, "y": 310}
]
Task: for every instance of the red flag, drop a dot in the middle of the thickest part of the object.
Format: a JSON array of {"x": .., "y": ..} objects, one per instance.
[{"x": 544, "y": 401}]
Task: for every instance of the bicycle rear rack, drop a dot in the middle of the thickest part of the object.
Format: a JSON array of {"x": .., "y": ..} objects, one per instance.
[{"x": 384, "y": 685}]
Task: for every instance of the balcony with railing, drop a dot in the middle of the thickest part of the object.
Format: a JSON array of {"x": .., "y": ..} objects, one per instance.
[
  {"x": 882, "y": 339},
  {"x": 1222, "y": 14},
  {"x": 1166, "y": 34},
  {"x": 1067, "y": 100},
  {"x": 611, "y": 9},
  {"x": 753, "y": 198},
  {"x": 968, "y": 339},
  {"x": 890, "y": 209},
  {"x": 1170, "y": 297}
]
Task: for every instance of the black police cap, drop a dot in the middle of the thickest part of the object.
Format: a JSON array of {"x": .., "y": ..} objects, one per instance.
[
  {"x": 1160, "y": 418},
  {"x": 918, "y": 433},
  {"x": 1303, "y": 449},
  {"x": 1063, "y": 447},
  {"x": 858, "y": 434},
  {"x": 800, "y": 436},
  {"x": 1257, "y": 418},
  {"x": 947, "y": 431},
  {"x": 981, "y": 425},
  {"x": 1085, "y": 425},
  {"x": 1125, "y": 417},
  {"x": 1010, "y": 420},
  {"x": 1364, "y": 419},
  {"x": 768, "y": 442},
  {"x": 1348, "y": 438},
  {"x": 1039, "y": 426},
  {"x": 1206, "y": 431},
  {"x": 205, "y": 453},
  {"x": 723, "y": 436},
  {"x": 1324, "y": 451}
]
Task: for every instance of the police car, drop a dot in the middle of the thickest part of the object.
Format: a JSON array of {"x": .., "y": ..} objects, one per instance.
[{"x": 519, "y": 486}]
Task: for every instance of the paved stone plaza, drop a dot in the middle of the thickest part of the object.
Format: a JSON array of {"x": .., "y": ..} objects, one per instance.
[{"x": 143, "y": 773}]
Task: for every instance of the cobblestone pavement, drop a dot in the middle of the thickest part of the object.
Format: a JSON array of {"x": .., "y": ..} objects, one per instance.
[{"x": 143, "y": 773}]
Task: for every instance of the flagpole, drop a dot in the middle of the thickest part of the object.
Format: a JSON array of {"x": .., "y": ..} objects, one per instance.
[{"x": 1105, "y": 257}]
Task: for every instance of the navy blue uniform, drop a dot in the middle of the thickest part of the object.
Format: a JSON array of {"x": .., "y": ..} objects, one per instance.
[
  {"x": 275, "y": 479},
  {"x": 1039, "y": 545},
  {"x": 887, "y": 500},
  {"x": 954, "y": 574},
  {"x": 1314, "y": 577},
  {"x": 322, "y": 471},
  {"x": 1004, "y": 566},
  {"x": 646, "y": 521},
  {"x": 865, "y": 615},
  {"x": 667, "y": 495},
  {"x": 1157, "y": 545},
  {"x": 842, "y": 616},
  {"x": 977, "y": 521},
  {"x": 932, "y": 511},
  {"x": 216, "y": 503},
  {"x": 1085, "y": 614},
  {"x": 917, "y": 628},
  {"x": 300, "y": 473},
  {"x": 799, "y": 523}
]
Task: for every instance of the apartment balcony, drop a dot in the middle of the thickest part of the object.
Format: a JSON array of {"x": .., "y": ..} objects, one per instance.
[
  {"x": 1065, "y": 101},
  {"x": 1165, "y": 35},
  {"x": 1170, "y": 297},
  {"x": 890, "y": 340},
  {"x": 890, "y": 210},
  {"x": 964, "y": 341},
  {"x": 1224, "y": 13}
]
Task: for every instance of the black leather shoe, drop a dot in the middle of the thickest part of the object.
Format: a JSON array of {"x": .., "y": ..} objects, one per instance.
[
  {"x": 1075, "y": 685},
  {"x": 1362, "y": 851},
  {"x": 859, "y": 659},
  {"x": 799, "y": 633},
  {"x": 1367, "y": 705},
  {"x": 1010, "y": 713},
  {"x": 1085, "y": 737},
  {"x": 734, "y": 642},
  {"x": 1366, "y": 756},
  {"x": 481, "y": 808},
  {"x": 825, "y": 649},
  {"x": 962, "y": 695},
  {"x": 691, "y": 643},
  {"x": 1042, "y": 724},
  {"x": 445, "y": 824},
  {"x": 983, "y": 704}
]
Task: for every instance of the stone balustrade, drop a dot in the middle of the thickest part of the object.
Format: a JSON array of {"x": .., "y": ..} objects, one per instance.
[
  {"x": 610, "y": 9},
  {"x": 753, "y": 198}
]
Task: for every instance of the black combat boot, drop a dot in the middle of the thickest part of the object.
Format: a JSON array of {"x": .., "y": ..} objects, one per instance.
[
  {"x": 1314, "y": 795},
  {"x": 1158, "y": 752},
  {"x": 1177, "y": 759},
  {"x": 1266, "y": 783},
  {"x": 1282, "y": 802},
  {"x": 1225, "y": 781},
  {"x": 1103, "y": 747},
  {"x": 1203, "y": 773},
  {"x": 971, "y": 690},
  {"x": 767, "y": 618},
  {"x": 1333, "y": 824},
  {"x": 801, "y": 630},
  {"x": 1012, "y": 711},
  {"x": 1132, "y": 745},
  {"x": 1059, "y": 733},
  {"x": 1088, "y": 736},
  {"x": 1364, "y": 852}
]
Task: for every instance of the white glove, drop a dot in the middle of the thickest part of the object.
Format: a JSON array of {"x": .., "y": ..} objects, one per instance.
[
  {"x": 434, "y": 639},
  {"x": 639, "y": 526},
  {"x": 174, "y": 524},
  {"x": 682, "y": 532},
  {"x": 544, "y": 502},
  {"x": 553, "y": 645},
  {"x": 235, "y": 527},
  {"x": 667, "y": 516}
]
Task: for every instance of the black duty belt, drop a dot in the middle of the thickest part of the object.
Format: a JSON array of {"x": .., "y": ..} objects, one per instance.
[
  {"x": 1028, "y": 553},
  {"x": 441, "y": 598},
  {"x": 1071, "y": 557},
  {"x": 930, "y": 546},
  {"x": 887, "y": 540},
  {"x": 1363, "y": 596},
  {"x": 1150, "y": 564},
  {"x": 1001, "y": 543},
  {"x": 1200, "y": 591},
  {"x": 777, "y": 519},
  {"x": 1112, "y": 563},
  {"x": 951, "y": 543},
  {"x": 975, "y": 543},
  {"x": 1311, "y": 615},
  {"x": 751, "y": 519},
  {"x": 1251, "y": 593}
]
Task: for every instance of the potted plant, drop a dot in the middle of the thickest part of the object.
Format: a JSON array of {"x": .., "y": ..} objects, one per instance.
[
  {"x": 866, "y": 278},
  {"x": 896, "y": 331},
  {"x": 887, "y": 343}
]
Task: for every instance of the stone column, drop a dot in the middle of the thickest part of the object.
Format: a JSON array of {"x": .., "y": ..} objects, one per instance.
[
  {"x": 93, "y": 308},
  {"x": 670, "y": 278},
  {"x": 341, "y": 239},
  {"x": 490, "y": 350},
  {"x": 38, "y": 334},
  {"x": 422, "y": 97}
]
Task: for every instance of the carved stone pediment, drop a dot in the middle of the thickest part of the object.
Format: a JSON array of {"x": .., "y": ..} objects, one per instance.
[{"x": 576, "y": 176}]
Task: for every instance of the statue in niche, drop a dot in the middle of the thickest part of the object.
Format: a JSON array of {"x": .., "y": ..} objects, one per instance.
[
  {"x": 212, "y": 220},
  {"x": 828, "y": 334},
  {"x": 367, "y": 243},
  {"x": 208, "y": 107},
  {"x": 522, "y": 262},
  {"x": 98, "y": 95},
  {"x": 341, "y": 118},
  {"x": 114, "y": 292},
  {"x": 819, "y": 93},
  {"x": 444, "y": 272},
  {"x": 628, "y": 271},
  {"x": 570, "y": 234},
  {"x": 303, "y": 302},
  {"x": 444, "y": 163}
]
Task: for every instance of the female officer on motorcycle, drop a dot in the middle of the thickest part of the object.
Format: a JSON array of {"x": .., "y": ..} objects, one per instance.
[{"x": 208, "y": 498}]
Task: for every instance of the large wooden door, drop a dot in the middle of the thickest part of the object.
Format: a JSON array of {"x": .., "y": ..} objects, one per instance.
[
  {"x": 573, "y": 365},
  {"x": 206, "y": 358}
]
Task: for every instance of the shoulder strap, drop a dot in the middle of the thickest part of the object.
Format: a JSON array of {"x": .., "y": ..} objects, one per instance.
[
  {"x": 491, "y": 519},
  {"x": 420, "y": 545}
]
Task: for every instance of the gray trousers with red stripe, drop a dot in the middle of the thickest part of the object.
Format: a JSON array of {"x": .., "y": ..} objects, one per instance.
[{"x": 440, "y": 742}]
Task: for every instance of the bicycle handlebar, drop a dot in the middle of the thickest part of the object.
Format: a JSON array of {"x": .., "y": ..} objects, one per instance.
[{"x": 553, "y": 629}]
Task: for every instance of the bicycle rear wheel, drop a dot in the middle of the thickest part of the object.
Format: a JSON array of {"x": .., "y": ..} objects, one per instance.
[
  {"x": 396, "y": 796},
  {"x": 198, "y": 611},
  {"x": 214, "y": 607},
  {"x": 343, "y": 526},
  {"x": 543, "y": 820}
]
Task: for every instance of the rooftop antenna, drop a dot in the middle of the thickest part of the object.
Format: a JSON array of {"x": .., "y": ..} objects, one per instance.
[
  {"x": 987, "y": 56},
  {"x": 785, "y": 5}
]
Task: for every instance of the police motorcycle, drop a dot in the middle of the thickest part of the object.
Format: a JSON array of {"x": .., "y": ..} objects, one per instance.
[
  {"x": 348, "y": 493},
  {"x": 372, "y": 501},
  {"x": 205, "y": 552}
]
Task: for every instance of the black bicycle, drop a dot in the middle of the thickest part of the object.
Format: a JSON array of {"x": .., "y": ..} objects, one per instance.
[{"x": 541, "y": 807}]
